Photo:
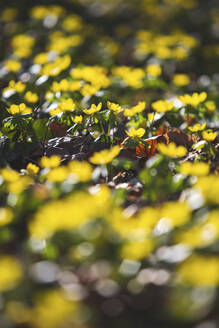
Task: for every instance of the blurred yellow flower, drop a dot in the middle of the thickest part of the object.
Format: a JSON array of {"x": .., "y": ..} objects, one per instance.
[
  {"x": 196, "y": 169},
  {"x": 162, "y": 106},
  {"x": 57, "y": 174},
  {"x": 81, "y": 170},
  {"x": 13, "y": 65},
  {"x": 177, "y": 213},
  {"x": 154, "y": 70},
  {"x": 6, "y": 215},
  {"x": 10, "y": 272},
  {"x": 172, "y": 150},
  {"x": 199, "y": 270},
  {"x": 50, "y": 162},
  {"x": 105, "y": 156},
  {"x": 181, "y": 80},
  {"x": 209, "y": 187},
  {"x": 137, "y": 250},
  {"x": 135, "y": 109},
  {"x": 31, "y": 97}
]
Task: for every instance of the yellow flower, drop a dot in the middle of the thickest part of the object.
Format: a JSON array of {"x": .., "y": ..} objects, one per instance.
[
  {"x": 105, "y": 156},
  {"x": 154, "y": 70},
  {"x": 137, "y": 250},
  {"x": 18, "y": 186},
  {"x": 199, "y": 270},
  {"x": 9, "y": 175},
  {"x": 209, "y": 136},
  {"x": 10, "y": 272},
  {"x": 19, "y": 109},
  {"x": 181, "y": 80},
  {"x": 57, "y": 174},
  {"x": 93, "y": 109},
  {"x": 194, "y": 100},
  {"x": 89, "y": 90},
  {"x": 210, "y": 105},
  {"x": 41, "y": 58},
  {"x": 77, "y": 119},
  {"x": 18, "y": 87},
  {"x": 177, "y": 213},
  {"x": 54, "y": 308},
  {"x": 67, "y": 105},
  {"x": 116, "y": 108},
  {"x": 196, "y": 169},
  {"x": 32, "y": 169},
  {"x": 13, "y": 65},
  {"x": 209, "y": 187},
  {"x": 9, "y": 14},
  {"x": 162, "y": 106},
  {"x": 132, "y": 133},
  {"x": 136, "y": 109},
  {"x": 197, "y": 127},
  {"x": 81, "y": 170},
  {"x": 50, "y": 162},
  {"x": 172, "y": 150},
  {"x": 6, "y": 216},
  {"x": 31, "y": 97}
]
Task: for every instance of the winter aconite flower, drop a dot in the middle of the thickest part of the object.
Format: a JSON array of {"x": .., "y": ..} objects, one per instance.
[
  {"x": 50, "y": 162},
  {"x": 194, "y": 100},
  {"x": 13, "y": 65},
  {"x": 19, "y": 109},
  {"x": 31, "y": 97},
  {"x": 209, "y": 136},
  {"x": 135, "y": 109},
  {"x": 197, "y": 169},
  {"x": 132, "y": 133},
  {"x": 77, "y": 119},
  {"x": 197, "y": 127},
  {"x": 172, "y": 150},
  {"x": 10, "y": 272},
  {"x": 32, "y": 169},
  {"x": 105, "y": 156},
  {"x": 181, "y": 80},
  {"x": 6, "y": 215},
  {"x": 93, "y": 109},
  {"x": 116, "y": 108},
  {"x": 199, "y": 270},
  {"x": 154, "y": 70},
  {"x": 162, "y": 106}
]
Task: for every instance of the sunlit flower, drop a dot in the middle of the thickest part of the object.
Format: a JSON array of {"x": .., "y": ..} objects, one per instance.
[
  {"x": 132, "y": 133},
  {"x": 181, "y": 80},
  {"x": 105, "y": 156},
  {"x": 161, "y": 106},
  {"x": 116, "y": 108},
  {"x": 6, "y": 216},
  {"x": 32, "y": 169},
  {"x": 197, "y": 168},
  {"x": 10, "y": 272},
  {"x": 172, "y": 150},
  {"x": 13, "y": 65},
  {"x": 209, "y": 136},
  {"x": 50, "y": 162},
  {"x": 93, "y": 109},
  {"x": 194, "y": 100},
  {"x": 197, "y": 127}
]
